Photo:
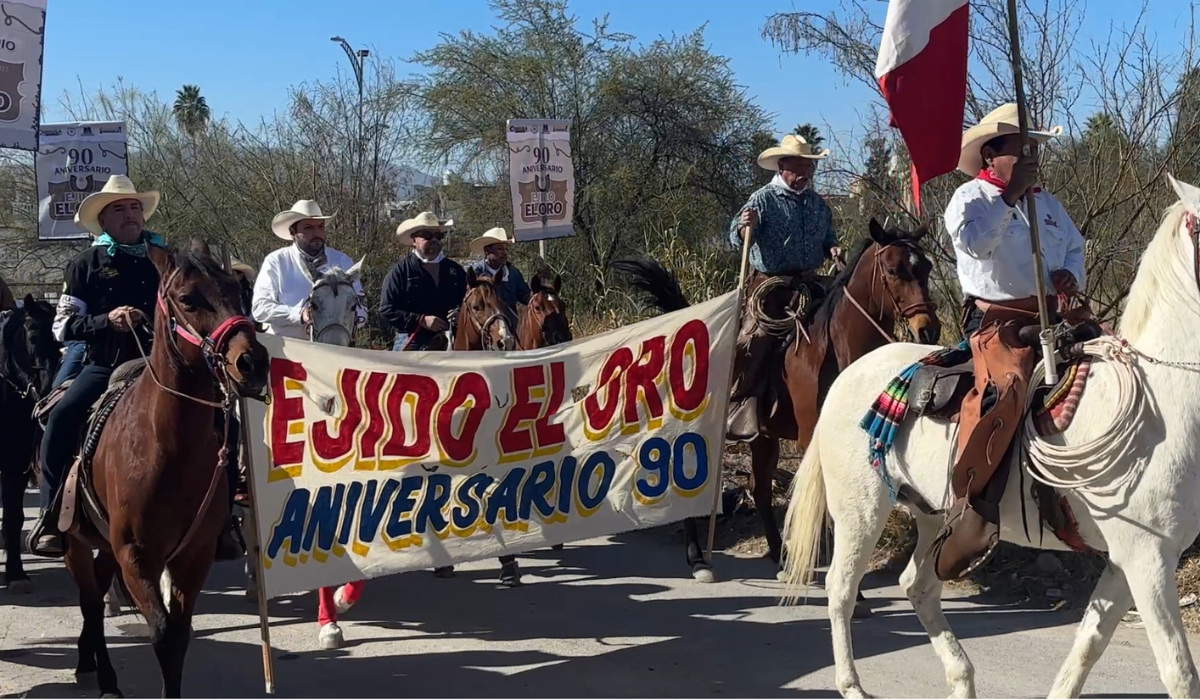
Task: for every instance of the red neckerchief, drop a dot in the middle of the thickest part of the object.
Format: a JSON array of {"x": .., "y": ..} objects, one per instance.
[{"x": 987, "y": 176}]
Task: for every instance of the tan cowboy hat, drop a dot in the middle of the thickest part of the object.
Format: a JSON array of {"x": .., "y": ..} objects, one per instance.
[
  {"x": 1001, "y": 121},
  {"x": 792, "y": 146},
  {"x": 117, "y": 187},
  {"x": 301, "y": 210},
  {"x": 425, "y": 221},
  {"x": 244, "y": 268},
  {"x": 493, "y": 235}
]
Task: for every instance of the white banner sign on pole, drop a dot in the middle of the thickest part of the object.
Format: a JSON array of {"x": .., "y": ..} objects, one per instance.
[
  {"x": 368, "y": 463},
  {"x": 21, "y": 37},
  {"x": 541, "y": 178},
  {"x": 74, "y": 159}
]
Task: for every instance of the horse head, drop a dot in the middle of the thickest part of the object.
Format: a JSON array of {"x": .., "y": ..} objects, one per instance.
[
  {"x": 484, "y": 315},
  {"x": 899, "y": 280},
  {"x": 200, "y": 303},
  {"x": 29, "y": 352},
  {"x": 332, "y": 306},
  {"x": 547, "y": 311}
]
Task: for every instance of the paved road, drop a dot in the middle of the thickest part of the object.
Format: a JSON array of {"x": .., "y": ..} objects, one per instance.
[{"x": 611, "y": 617}]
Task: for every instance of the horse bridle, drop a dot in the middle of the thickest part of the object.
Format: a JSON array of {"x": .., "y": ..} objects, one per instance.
[
  {"x": 483, "y": 328},
  {"x": 905, "y": 313},
  {"x": 320, "y": 283},
  {"x": 29, "y": 390}
]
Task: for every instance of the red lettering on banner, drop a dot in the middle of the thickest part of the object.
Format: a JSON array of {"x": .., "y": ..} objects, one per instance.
[
  {"x": 332, "y": 452},
  {"x": 550, "y": 437},
  {"x": 285, "y": 414},
  {"x": 376, "y": 422},
  {"x": 691, "y": 341},
  {"x": 600, "y": 406},
  {"x": 641, "y": 386},
  {"x": 515, "y": 440},
  {"x": 421, "y": 394},
  {"x": 469, "y": 393}
]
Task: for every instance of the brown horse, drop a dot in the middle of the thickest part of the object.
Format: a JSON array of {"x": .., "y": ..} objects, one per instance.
[
  {"x": 886, "y": 279},
  {"x": 158, "y": 469},
  {"x": 544, "y": 319}
]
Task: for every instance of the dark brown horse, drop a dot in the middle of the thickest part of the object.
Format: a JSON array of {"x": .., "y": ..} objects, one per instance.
[
  {"x": 543, "y": 321},
  {"x": 29, "y": 358},
  {"x": 158, "y": 466},
  {"x": 885, "y": 279}
]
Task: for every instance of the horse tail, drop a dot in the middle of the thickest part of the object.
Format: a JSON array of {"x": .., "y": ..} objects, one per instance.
[
  {"x": 804, "y": 525},
  {"x": 655, "y": 281}
]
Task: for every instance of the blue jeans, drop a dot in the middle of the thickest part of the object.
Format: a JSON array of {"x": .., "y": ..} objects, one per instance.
[{"x": 72, "y": 362}]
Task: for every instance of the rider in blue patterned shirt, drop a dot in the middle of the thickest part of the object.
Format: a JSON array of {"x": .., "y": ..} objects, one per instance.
[{"x": 792, "y": 236}]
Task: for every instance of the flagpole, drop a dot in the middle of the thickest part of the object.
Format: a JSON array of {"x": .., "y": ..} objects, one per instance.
[{"x": 1047, "y": 334}]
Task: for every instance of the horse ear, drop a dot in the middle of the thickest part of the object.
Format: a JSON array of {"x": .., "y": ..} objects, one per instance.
[
  {"x": 878, "y": 234},
  {"x": 162, "y": 258},
  {"x": 918, "y": 234},
  {"x": 1188, "y": 194},
  {"x": 29, "y": 303},
  {"x": 472, "y": 279},
  {"x": 356, "y": 269},
  {"x": 535, "y": 285},
  {"x": 556, "y": 284},
  {"x": 200, "y": 247}
]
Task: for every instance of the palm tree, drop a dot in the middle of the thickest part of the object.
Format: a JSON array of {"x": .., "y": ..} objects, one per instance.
[
  {"x": 191, "y": 110},
  {"x": 810, "y": 133}
]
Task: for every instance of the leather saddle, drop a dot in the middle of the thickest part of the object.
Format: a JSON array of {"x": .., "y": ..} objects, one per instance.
[{"x": 77, "y": 489}]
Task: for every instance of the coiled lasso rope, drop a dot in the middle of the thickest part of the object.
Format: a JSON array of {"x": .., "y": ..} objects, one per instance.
[
  {"x": 790, "y": 320},
  {"x": 1080, "y": 466}
]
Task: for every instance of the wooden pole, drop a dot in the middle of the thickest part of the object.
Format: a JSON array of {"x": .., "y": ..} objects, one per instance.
[
  {"x": 251, "y": 532},
  {"x": 1047, "y": 335},
  {"x": 747, "y": 236}
]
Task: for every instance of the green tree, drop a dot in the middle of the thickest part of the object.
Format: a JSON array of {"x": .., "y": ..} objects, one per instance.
[
  {"x": 191, "y": 110},
  {"x": 662, "y": 136},
  {"x": 810, "y": 133}
]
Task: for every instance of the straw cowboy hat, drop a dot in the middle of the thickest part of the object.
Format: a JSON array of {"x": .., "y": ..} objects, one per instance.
[
  {"x": 301, "y": 210},
  {"x": 239, "y": 266},
  {"x": 792, "y": 146},
  {"x": 425, "y": 221},
  {"x": 1001, "y": 121},
  {"x": 493, "y": 235},
  {"x": 117, "y": 188}
]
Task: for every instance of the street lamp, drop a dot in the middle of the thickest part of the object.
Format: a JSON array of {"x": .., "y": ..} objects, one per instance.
[{"x": 356, "y": 62}]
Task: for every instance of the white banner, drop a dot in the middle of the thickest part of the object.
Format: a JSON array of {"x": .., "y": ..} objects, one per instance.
[
  {"x": 368, "y": 463},
  {"x": 74, "y": 159},
  {"x": 541, "y": 178},
  {"x": 21, "y": 36}
]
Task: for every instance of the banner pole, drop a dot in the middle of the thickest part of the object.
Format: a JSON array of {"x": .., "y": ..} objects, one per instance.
[
  {"x": 747, "y": 236},
  {"x": 1047, "y": 334},
  {"x": 251, "y": 532}
]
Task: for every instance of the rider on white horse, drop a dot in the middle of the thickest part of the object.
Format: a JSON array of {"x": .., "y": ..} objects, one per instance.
[{"x": 988, "y": 223}]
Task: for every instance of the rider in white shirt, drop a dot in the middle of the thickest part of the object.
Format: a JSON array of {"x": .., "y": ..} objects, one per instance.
[{"x": 287, "y": 274}]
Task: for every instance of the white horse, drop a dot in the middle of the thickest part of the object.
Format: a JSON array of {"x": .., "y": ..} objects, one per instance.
[{"x": 1136, "y": 489}]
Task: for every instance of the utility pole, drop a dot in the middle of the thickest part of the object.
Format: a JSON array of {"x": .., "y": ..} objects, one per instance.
[{"x": 356, "y": 62}]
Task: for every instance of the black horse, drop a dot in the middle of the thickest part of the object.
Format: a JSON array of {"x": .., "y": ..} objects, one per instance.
[{"x": 29, "y": 358}]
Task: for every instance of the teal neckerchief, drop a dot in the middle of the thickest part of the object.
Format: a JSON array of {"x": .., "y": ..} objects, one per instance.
[{"x": 135, "y": 249}]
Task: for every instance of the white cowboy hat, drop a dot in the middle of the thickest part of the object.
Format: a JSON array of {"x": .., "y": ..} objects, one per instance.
[
  {"x": 117, "y": 187},
  {"x": 301, "y": 210},
  {"x": 792, "y": 146},
  {"x": 1001, "y": 121},
  {"x": 493, "y": 235},
  {"x": 425, "y": 221}
]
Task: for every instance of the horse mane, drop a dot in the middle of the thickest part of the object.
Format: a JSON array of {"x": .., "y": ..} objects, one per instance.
[{"x": 1159, "y": 274}]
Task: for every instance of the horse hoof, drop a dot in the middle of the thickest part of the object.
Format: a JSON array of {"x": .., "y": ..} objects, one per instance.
[
  {"x": 704, "y": 575},
  {"x": 86, "y": 680},
  {"x": 862, "y": 611},
  {"x": 331, "y": 637},
  {"x": 557, "y": 547},
  {"x": 20, "y": 586},
  {"x": 444, "y": 572}
]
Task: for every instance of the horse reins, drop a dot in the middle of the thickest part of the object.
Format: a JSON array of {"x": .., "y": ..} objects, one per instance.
[
  {"x": 906, "y": 312},
  {"x": 485, "y": 338}
]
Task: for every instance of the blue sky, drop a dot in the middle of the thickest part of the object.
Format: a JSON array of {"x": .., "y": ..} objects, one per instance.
[{"x": 245, "y": 54}]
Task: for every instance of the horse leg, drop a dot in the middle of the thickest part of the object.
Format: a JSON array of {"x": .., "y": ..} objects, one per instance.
[
  {"x": 920, "y": 583},
  {"x": 182, "y": 583},
  {"x": 764, "y": 456},
  {"x": 91, "y": 577},
  {"x": 12, "y": 500},
  {"x": 1150, "y": 573},
  {"x": 859, "y": 519},
  {"x": 1110, "y": 601},
  {"x": 701, "y": 569},
  {"x": 143, "y": 581},
  {"x": 510, "y": 571}
]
